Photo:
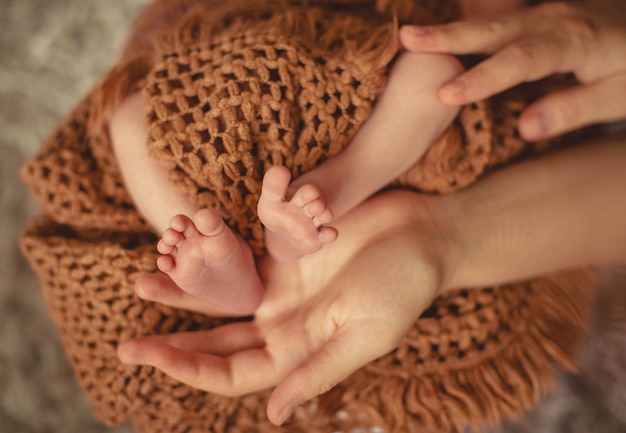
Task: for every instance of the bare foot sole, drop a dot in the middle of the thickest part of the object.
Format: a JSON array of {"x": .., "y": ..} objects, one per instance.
[
  {"x": 294, "y": 227},
  {"x": 206, "y": 259}
]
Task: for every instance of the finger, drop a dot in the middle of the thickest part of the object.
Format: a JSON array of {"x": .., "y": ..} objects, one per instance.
[
  {"x": 165, "y": 247},
  {"x": 471, "y": 37},
  {"x": 160, "y": 288},
  {"x": 240, "y": 373},
  {"x": 332, "y": 363},
  {"x": 457, "y": 38},
  {"x": 527, "y": 60},
  {"x": 222, "y": 341},
  {"x": 169, "y": 240},
  {"x": 229, "y": 360},
  {"x": 567, "y": 110},
  {"x": 304, "y": 195}
]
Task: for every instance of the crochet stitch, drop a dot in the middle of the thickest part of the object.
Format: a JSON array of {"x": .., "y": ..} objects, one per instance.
[{"x": 230, "y": 89}]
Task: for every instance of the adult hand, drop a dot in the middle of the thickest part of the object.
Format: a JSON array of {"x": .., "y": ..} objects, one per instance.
[
  {"x": 321, "y": 319},
  {"x": 354, "y": 300},
  {"x": 586, "y": 38}
]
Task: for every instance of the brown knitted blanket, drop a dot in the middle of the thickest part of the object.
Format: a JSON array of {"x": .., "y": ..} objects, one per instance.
[{"x": 231, "y": 88}]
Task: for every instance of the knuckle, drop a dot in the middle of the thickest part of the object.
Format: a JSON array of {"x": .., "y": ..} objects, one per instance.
[
  {"x": 580, "y": 28},
  {"x": 494, "y": 28},
  {"x": 574, "y": 23},
  {"x": 233, "y": 385},
  {"x": 524, "y": 52},
  {"x": 493, "y": 32}
]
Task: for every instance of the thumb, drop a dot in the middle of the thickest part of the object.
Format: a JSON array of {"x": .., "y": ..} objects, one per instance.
[{"x": 346, "y": 352}]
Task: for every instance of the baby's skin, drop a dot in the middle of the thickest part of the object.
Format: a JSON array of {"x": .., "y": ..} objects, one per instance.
[
  {"x": 207, "y": 260},
  {"x": 205, "y": 257},
  {"x": 407, "y": 119},
  {"x": 298, "y": 221}
]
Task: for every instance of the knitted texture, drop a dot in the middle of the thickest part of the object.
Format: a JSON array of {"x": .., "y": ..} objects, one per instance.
[{"x": 229, "y": 92}]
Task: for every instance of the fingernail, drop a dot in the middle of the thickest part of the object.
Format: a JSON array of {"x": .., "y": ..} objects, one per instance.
[
  {"x": 535, "y": 126},
  {"x": 417, "y": 30},
  {"x": 286, "y": 413},
  {"x": 455, "y": 86}
]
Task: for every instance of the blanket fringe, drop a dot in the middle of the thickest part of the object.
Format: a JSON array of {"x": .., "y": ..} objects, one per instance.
[{"x": 494, "y": 386}]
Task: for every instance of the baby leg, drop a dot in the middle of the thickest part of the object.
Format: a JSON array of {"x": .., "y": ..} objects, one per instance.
[
  {"x": 294, "y": 220},
  {"x": 407, "y": 119},
  {"x": 206, "y": 259},
  {"x": 202, "y": 255}
]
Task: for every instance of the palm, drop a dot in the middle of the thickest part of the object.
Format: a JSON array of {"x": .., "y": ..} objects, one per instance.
[{"x": 321, "y": 319}]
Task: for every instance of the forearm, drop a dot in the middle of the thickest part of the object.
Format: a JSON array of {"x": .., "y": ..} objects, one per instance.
[{"x": 551, "y": 213}]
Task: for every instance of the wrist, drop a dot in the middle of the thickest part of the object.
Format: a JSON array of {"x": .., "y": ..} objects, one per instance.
[
  {"x": 555, "y": 212},
  {"x": 432, "y": 223},
  {"x": 442, "y": 221}
]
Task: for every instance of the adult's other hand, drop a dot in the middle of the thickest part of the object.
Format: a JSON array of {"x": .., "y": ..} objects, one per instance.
[{"x": 586, "y": 38}]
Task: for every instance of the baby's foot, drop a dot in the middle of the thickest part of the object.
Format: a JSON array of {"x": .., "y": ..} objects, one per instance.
[
  {"x": 293, "y": 227},
  {"x": 206, "y": 259}
]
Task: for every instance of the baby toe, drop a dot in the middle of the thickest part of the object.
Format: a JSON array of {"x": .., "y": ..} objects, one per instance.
[
  {"x": 208, "y": 222},
  {"x": 163, "y": 247},
  {"x": 180, "y": 223},
  {"x": 170, "y": 237},
  {"x": 166, "y": 263},
  {"x": 305, "y": 195},
  {"x": 325, "y": 217},
  {"x": 328, "y": 235},
  {"x": 275, "y": 183}
]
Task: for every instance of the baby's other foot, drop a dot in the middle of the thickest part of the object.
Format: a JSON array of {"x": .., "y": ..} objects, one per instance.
[
  {"x": 206, "y": 259},
  {"x": 296, "y": 226}
]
